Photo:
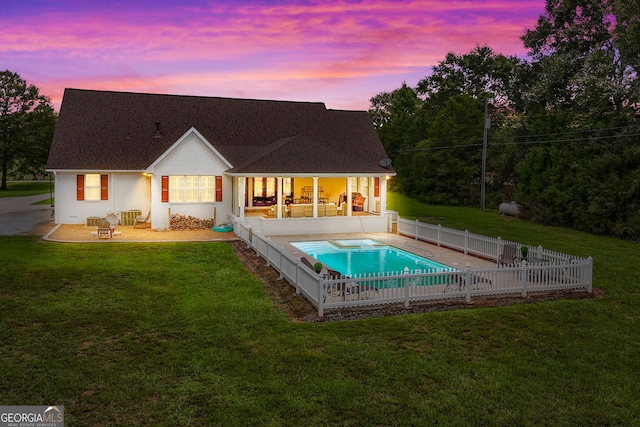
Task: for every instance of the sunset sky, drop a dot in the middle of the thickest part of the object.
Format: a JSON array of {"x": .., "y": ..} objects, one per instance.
[{"x": 340, "y": 52}]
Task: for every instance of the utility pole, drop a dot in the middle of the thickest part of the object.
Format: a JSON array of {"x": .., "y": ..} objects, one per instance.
[{"x": 487, "y": 125}]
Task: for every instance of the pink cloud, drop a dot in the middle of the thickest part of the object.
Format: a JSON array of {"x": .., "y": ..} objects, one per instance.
[{"x": 190, "y": 47}]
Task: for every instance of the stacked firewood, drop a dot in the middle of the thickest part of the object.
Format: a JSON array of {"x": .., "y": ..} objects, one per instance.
[{"x": 181, "y": 222}]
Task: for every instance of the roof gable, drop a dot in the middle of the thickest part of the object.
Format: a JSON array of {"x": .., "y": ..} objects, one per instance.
[{"x": 181, "y": 140}]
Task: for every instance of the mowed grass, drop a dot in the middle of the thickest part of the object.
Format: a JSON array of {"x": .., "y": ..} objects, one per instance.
[
  {"x": 182, "y": 334},
  {"x": 25, "y": 188}
]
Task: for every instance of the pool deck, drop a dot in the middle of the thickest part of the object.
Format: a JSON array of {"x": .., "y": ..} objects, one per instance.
[{"x": 426, "y": 250}]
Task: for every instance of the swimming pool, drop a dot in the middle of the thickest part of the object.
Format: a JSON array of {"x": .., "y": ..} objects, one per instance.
[{"x": 355, "y": 257}]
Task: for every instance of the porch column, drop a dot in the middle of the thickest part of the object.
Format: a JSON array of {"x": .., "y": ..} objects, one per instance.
[
  {"x": 383, "y": 195},
  {"x": 315, "y": 196},
  {"x": 349, "y": 195},
  {"x": 241, "y": 192},
  {"x": 279, "y": 197},
  {"x": 249, "y": 182}
]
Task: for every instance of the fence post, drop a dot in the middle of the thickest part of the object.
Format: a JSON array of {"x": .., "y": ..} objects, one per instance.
[
  {"x": 525, "y": 275},
  {"x": 439, "y": 234},
  {"x": 467, "y": 281},
  {"x": 416, "y": 229},
  {"x": 268, "y": 242},
  {"x": 406, "y": 287},
  {"x": 589, "y": 274},
  {"x": 297, "y": 277},
  {"x": 320, "y": 297},
  {"x": 466, "y": 242},
  {"x": 499, "y": 249},
  {"x": 281, "y": 252}
]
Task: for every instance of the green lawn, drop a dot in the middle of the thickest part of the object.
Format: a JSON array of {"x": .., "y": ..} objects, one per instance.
[
  {"x": 25, "y": 188},
  {"x": 169, "y": 334}
]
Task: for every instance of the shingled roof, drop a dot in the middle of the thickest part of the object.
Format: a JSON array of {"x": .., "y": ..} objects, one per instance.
[{"x": 111, "y": 131}]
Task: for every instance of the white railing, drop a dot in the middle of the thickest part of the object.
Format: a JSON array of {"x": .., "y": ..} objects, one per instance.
[
  {"x": 550, "y": 271},
  {"x": 473, "y": 244}
]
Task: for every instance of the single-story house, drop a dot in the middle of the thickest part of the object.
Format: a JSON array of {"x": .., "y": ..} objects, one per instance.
[{"x": 289, "y": 167}]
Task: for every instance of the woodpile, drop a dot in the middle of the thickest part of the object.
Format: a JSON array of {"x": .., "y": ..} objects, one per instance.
[{"x": 181, "y": 222}]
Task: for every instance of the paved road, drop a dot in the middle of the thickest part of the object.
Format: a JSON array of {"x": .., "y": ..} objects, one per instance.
[{"x": 18, "y": 215}]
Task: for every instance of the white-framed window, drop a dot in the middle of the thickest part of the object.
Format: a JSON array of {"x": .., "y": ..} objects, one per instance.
[
  {"x": 92, "y": 186},
  {"x": 192, "y": 188}
]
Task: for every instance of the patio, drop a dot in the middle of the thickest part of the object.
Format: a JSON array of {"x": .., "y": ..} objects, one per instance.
[{"x": 83, "y": 234}]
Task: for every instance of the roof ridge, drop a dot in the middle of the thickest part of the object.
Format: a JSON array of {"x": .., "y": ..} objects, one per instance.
[{"x": 200, "y": 97}]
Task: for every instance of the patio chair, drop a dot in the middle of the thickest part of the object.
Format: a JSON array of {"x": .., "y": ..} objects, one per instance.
[
  {"x": 307, "y": 263},
  {"x": 509, "y": 255},
  {"x": 141, "y": 219},
  {"x": 340, "y": 289},
  {"x": 456, "y": 282},
  {"x": 113, "y": 221},
  {"x": 104, "y": 230},
  {"x": 358, "y": 203}
]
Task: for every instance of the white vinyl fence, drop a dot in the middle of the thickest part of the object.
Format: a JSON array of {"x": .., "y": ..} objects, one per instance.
[{"x": 546, "y": 271}]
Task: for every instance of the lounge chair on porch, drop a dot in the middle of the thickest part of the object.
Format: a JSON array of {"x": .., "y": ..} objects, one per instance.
[{"x": 358, "y": 203}]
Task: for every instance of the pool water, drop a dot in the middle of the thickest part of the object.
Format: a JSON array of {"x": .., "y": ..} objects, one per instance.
[{"x": 357, "y": 257}]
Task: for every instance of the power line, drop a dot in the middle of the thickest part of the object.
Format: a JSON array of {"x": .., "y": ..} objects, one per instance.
[
  {"x": 448, "y": 147},
  {"x": 591, "y": 138}
]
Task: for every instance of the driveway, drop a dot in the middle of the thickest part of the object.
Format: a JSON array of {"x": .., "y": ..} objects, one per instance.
[{"x": 18, "y": 215}]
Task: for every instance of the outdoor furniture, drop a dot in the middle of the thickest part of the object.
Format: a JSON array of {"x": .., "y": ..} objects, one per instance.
[
  {"x": 104, "y": 230},
  {"x": 342, "y": 209},
  {"x": 113, "y": 221},
  {"x": 297, "y": 211},
  {"x": 536, "y": 274},
  {"x": 330, "y": 209},
  {"x": 307, "y": 263},
  {"x": 340, "y": 289},
  {"x": 476, "y": 282},
  {"x": 273, "y": 211},
  {"x": 509, "y": 255},
  {"x": 358, "y": 203},
  {"x": 141, "y": 219}
]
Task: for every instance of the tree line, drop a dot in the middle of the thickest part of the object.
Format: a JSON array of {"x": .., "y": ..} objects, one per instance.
[
  {"x": 564, "y": 138},
  {"x": 27, "y": 123}
]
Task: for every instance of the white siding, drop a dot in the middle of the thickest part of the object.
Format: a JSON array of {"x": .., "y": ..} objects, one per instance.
[
  {"x": 127, "y": 191},
  {"x": 192, "y": 156}
]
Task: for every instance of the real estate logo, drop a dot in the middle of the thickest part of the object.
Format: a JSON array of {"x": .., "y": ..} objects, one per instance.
[{"x": 31, "y": 416}]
